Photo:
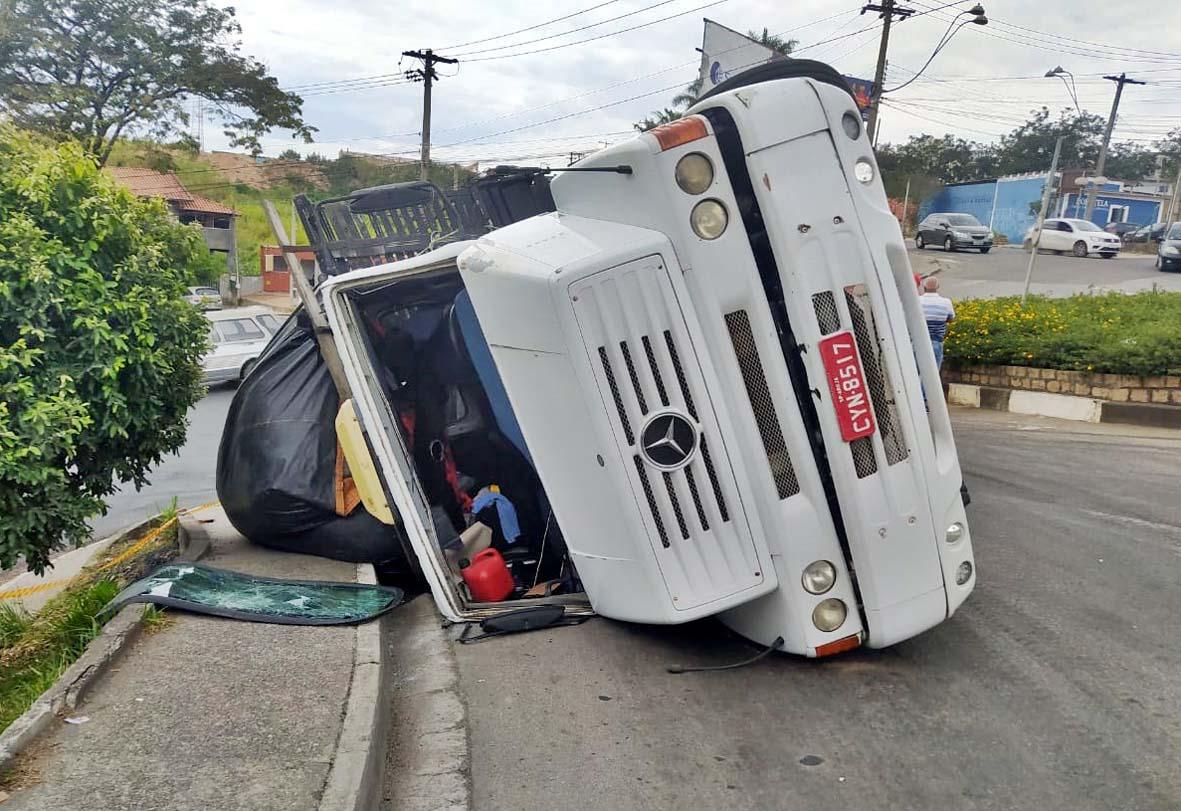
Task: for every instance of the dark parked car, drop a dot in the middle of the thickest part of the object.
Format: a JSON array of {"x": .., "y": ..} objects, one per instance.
[
  {"x": 952, "y": 232},
  {"x": 1148, "y": 233},
  {"x": 1122, "y": 229},
  {"x": 1168, "y": 253}
]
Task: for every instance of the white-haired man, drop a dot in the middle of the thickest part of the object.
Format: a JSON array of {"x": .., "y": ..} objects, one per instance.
[{"x": 938, "y": 312}]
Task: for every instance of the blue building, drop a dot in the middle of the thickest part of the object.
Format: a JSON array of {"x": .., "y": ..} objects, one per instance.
[
  {"x": 1114, "y": 206},
  {"x": 1009, "y": 205}
]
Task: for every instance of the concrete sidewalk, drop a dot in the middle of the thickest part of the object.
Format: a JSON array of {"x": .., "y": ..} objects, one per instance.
[{"x": 207, "y": 713}]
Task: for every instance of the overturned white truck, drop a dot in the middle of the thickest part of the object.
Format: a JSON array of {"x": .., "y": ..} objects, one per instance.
[{"x": 704, "y": 382}]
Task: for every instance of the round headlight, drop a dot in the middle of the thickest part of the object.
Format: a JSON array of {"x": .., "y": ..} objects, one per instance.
[
  {"x": 863, "y": 170},
  {"x": 709, "y": 219},
  {"x": 963, "y": 573},
  {"x": 954, "y": 532},
  {"x": 694, "y": 173},
  {"x": 819, "y": 577},
  {"x": 828, "y": 615},
  {"x": 851, "y": 124}
]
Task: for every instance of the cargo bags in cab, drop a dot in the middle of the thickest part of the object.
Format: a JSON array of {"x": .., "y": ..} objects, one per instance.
[{"x": 278, "y": 469}]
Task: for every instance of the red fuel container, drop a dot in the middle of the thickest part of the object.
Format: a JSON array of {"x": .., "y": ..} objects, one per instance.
[{"x": 487, "y": 577}]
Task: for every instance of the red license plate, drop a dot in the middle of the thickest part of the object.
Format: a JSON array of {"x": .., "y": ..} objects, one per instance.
[{"x": 846, "y": 382}]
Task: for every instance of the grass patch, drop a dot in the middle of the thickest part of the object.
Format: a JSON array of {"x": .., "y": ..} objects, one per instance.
[
  {"x": 156, "y": 619},
  {"x": 1137, "y": 334},
  {"x": 35, "y": 649},
  {"x": 50, "y": 642}
]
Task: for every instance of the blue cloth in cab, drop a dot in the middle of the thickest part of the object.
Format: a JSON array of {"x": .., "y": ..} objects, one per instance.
[
  {"x": 481, "y": 357},
  {"x": 504, "y": 510}
]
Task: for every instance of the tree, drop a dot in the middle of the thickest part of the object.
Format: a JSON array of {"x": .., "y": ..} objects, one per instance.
[
  {"x": 688, "y": 97},
  {"x": 99, "y": 352},
  {"x": 94, "y": 69},
  {"x": 1130, "y": 161},
  {"x": 1030, "y": 146}
]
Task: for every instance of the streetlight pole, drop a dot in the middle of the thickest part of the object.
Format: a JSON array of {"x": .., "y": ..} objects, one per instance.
[
  {"x": 1062, "y": 73},
  {"x": 1120, "y": 81}
]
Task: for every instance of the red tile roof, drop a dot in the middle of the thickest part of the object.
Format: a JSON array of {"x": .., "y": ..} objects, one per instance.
[{"x": 166, "y": 185}]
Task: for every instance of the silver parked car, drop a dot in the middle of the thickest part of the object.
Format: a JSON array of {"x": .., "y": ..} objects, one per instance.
[
  {"x": 204, "y": 298},
  {"x": 238, "y": 337}
]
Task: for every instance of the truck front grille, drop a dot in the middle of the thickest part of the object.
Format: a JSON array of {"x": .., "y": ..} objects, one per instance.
[
  {"x": 645, "y": 363},
  {"x": 755, "y": 381},
  {"x": 877, "y": 380}
]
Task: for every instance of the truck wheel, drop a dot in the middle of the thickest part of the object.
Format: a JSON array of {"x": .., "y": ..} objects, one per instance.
[{"x": 1080, "y": 249}]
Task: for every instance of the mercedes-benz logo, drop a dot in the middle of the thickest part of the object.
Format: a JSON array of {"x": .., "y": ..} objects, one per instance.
[{"x": 668, "y": 440}]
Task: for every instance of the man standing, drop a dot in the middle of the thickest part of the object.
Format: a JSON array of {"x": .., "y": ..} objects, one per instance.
[{"x": 938, "y": 311}]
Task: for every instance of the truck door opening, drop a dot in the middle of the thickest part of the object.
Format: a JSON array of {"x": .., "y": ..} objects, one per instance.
[{"x": 458, "y": 431}]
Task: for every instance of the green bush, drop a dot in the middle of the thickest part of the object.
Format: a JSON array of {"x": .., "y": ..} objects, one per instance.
[
  {"x": 99, "y": 353},
  {"x": 1136, "y": 334}
]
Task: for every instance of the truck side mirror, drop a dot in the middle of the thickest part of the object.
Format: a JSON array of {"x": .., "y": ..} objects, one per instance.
[{"x": 351, "y": 437}]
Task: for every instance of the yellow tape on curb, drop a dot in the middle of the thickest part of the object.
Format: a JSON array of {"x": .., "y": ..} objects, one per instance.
[{"x": 48, "y": 585}]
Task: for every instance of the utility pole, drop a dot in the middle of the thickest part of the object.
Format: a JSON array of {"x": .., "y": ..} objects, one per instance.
[
  {"x": 887, "y": 11},
  {"x": 1041, "y": 216},
  {"x": 1120, "y": 81},
  {"x": 426, "y": 75},
  {"x": 1171, "y": 214}
]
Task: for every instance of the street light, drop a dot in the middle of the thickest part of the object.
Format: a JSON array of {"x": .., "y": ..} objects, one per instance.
[
  {"x": 1062, "y": 73},
  {"x": 978, "y": 18}
]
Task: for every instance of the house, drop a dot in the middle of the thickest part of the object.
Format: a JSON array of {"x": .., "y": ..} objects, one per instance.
[
  {"x": 216, "y": 220},
  {"x": 272, "y": 266}
]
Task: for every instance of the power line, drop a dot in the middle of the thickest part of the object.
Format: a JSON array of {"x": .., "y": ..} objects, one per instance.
[
  {"x": 600, "y": 36},
  {"x": 571, "y": 31},
  {"x": 528, "y": 28}
]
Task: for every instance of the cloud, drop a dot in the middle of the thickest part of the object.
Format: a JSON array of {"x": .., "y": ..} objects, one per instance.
[{"x": 490, "y": 109}]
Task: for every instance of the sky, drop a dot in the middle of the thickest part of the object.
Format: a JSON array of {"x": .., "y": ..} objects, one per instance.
[{"x": 577, "y": 83}]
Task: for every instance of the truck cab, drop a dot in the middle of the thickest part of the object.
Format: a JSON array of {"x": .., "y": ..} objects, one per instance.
[{"x": 703, "y": 381}]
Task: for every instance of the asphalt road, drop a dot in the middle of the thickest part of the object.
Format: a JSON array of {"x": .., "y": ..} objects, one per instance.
[
  {"x": 1001, "y": 272},
  {"x": 187, "y": 476},
  {"x": 1056, "y": 685}
]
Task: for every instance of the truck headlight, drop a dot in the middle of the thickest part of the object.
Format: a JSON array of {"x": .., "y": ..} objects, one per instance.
[
  {"x": 851, "y": 124},
  {"x": 694, "y": 173},
  {"x": 709, "y": 219},
  {"x": 963, "y": 573},
  {"x": 818, "y": 577},
  {"x": 954, "y": 532},
  {"x": 863, "y": 171},
  {"x": 828, "y": 615}
]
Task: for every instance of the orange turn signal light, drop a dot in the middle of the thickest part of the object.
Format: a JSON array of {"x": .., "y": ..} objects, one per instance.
[
  {"x": 681, "y": 131},
  {"x": 840, "y": 646}
]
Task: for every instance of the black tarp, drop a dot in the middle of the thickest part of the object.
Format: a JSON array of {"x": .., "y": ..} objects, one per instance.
[{"x": 277, "y": 460}]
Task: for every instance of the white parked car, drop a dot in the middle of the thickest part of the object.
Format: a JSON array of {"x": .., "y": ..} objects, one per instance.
[
  {"x": 238, "y": 336},
  {"x": 1080, "y": 237},
  {"x": 205, "y": 298}
]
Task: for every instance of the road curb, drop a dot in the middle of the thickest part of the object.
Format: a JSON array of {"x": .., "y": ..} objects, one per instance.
[
  {"x": 355, "y": 777},
  {"x": 72, "y": 685},
  {"x": 1063, "y": 406},
  {"x": 429, "y": 761},
  {"x": 123, "y": 629}
]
